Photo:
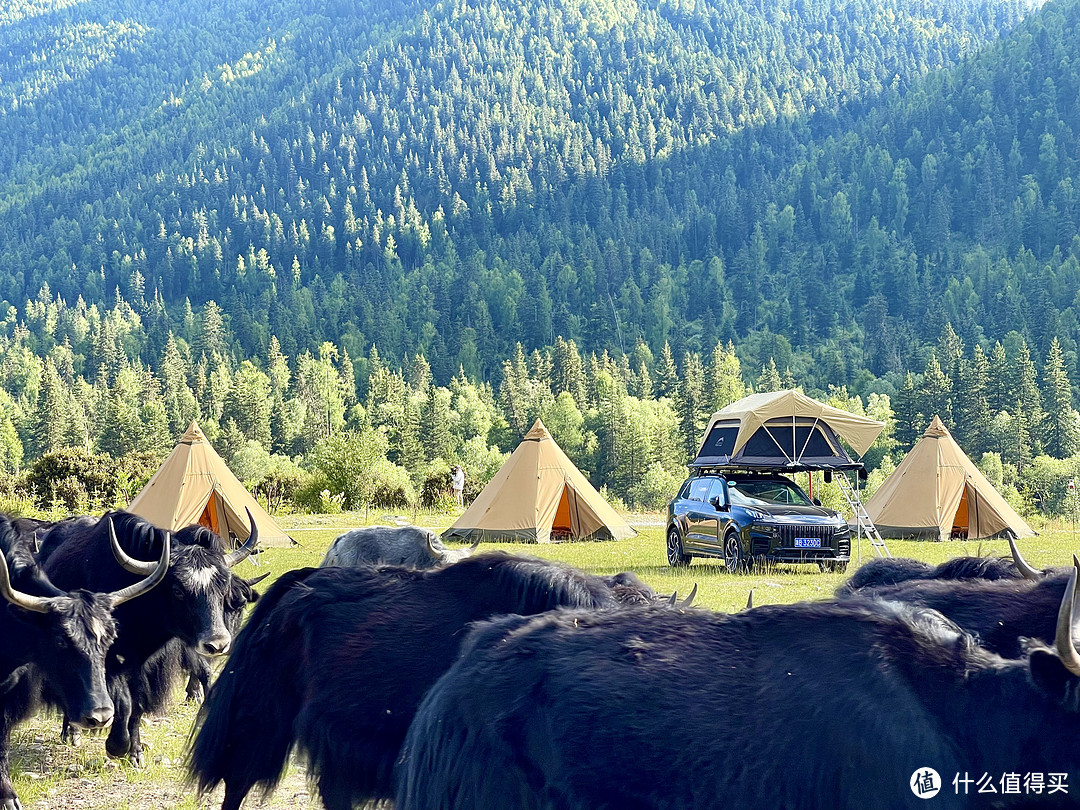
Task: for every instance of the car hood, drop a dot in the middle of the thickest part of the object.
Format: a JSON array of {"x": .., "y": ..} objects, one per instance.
[{"x": 801, "y": 512}]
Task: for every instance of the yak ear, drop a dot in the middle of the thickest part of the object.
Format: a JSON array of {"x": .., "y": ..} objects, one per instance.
[{"x": 1053, "y": 679}]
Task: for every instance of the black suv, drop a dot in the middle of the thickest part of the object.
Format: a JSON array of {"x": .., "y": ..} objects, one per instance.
[{"x": 745, "y": 517}]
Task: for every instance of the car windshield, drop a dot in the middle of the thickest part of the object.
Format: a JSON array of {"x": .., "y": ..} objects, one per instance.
[{"x": 766, "y": 492}]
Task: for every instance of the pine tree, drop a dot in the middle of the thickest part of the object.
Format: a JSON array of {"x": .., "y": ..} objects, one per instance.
[
  {"x": 769, "y": 379},
  {"x": 1027, "y": 396},
  {"x": 997, "y": 391},
  {"x": 667, "y": 375},
  {"x": 435, "y": 425},
  {"x": 950, "y": 352},
  {"x": 974, "y": 419},
  {"x": 936, "y": 395},
  {"x": 910, "y": 420},
  {"x": 1060, "y": 429},
  {"x": 692, "y": 406},
  {"x": 724, "y": 383}
]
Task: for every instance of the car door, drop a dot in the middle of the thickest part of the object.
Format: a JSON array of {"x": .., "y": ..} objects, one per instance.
[{"x": 702, "y": 517}]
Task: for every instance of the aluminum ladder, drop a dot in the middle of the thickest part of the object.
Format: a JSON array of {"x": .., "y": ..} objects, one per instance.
[{"x": 862, "y": 520}]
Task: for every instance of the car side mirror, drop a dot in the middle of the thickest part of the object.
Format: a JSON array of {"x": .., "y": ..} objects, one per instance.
[
  {"x": 817, "y": 501},
  {"x": 717, "y": 504}
]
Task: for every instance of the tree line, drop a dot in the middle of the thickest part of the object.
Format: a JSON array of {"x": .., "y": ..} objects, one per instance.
[{"x": 326, "y": 429}]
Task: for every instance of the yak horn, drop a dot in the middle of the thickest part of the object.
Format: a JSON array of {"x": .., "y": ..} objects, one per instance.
[
  {"x": 144, "y": 585},
  {"x": 143, "y": 568},
  {"x": 251, "y": 583},
  {"x": 1063, "y": 640},
  {"x": 689, "y": 600},
  {"x": 38, "y": 604},
  {"x": 1021, "y": 564},
  {"x": 245, "y": 550},
  {"x": 750, "y": 600}
]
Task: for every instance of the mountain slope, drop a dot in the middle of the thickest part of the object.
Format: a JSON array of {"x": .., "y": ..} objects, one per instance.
[{"x": 457, "y": 178}]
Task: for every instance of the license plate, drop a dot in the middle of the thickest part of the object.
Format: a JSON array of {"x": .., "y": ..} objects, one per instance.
[{"x": 807, "y": 542}]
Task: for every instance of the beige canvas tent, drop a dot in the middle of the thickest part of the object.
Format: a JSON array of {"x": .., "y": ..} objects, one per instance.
[
  {"x": 937, "y": 492},
  {"x": 193, "y": 485},
  {"x": 539, "y": 496},
  {"x": 784, "y": 429}
]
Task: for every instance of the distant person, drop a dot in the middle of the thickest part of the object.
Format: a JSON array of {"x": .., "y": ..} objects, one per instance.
[{"x": 457, "y": 483}]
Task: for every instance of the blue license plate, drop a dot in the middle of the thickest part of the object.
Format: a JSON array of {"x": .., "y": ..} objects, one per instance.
[{"x": 807, "y": 542}]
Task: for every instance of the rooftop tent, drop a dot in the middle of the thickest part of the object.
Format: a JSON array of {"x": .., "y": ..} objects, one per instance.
[
  {"x": 539, "y": 496},
  {"x": 193, "y": 485},
  {"x": 785, "y": 429},
  {"x": 936, "y": 492}
]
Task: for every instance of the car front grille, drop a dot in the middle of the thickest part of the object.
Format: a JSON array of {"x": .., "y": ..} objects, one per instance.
[{"x": 789, "y": 533}]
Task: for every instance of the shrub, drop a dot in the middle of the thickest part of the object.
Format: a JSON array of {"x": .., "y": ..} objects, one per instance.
[
  {"x": 393, "y": 486},
  {"x": 654, "y": 489},
  {"x": 75, "y": 478}
]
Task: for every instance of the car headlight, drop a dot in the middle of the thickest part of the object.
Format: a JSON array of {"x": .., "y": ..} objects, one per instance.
[{"x": 757, "y": 515}]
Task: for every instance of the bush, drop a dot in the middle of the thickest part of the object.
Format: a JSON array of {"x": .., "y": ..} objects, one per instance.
[
  {"x": 654, "y": 489},
  {"x": 436, "y": 487},
  {"x": 393, "y": 486},
  {"x": 313, "y": 496},
  {"x": 75, "y": 478}
]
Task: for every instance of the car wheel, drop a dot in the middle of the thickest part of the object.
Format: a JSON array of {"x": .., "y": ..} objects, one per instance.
[
  {"x": 734, "y": 559},
  {"x": 675, "y": 556}
]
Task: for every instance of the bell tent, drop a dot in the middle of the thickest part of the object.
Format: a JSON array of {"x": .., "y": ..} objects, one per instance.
[
  {"x": 194, "y": 485},
  {"x": 937, "y": 492},
  {"x": 539, "y": 496},
  {"x": 785, "y": 430}
]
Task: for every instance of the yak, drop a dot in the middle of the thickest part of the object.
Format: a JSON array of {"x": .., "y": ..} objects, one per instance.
[
  {"x": 191, "y": 605},
  {"x": 393, "y": 545},
  {"x": 816, "y": 706},
  {"x": 58, "y": 641},
  {"x": 333, "y": 662},
  {"x": 885, "y": 571},
  {"x": 178, "y": 658},
  {"x": 1002, "y": 614}
]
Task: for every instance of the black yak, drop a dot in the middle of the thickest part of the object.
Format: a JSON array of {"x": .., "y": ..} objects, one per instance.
[
  {"x": 814, "y": 706},
  {"x": 885, "y": 571},
  {"x": 190, "y": 606},
  {"x": 57, "y": 641},
  {"x": 334, "y": 661}
]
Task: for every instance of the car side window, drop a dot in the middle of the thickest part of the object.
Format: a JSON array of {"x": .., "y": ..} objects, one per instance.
[
  {"x": 699, "y": 489},
  {"x": 717, "y": 491}
]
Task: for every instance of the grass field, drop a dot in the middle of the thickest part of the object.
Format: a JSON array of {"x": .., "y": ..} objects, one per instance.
[{"x": 49, "y": 775}]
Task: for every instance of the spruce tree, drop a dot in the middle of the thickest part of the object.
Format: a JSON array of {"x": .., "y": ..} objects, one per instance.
[
  {"x": 1060, "y": 429},
  {"x": 1026, "y": 394},
  {"x": 769, "y": 379},
  {"x": 974, "y": 420}
]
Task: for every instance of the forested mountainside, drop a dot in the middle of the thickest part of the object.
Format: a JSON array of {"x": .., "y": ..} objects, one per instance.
[
  {"x": 450, "y": 180},
  {"x": 360, "y": 243}
]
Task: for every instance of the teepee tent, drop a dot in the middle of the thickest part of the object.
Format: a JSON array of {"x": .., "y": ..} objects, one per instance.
[
  {"x": 539, "y": 496},
  {"x": 937, "y": 492},
  {"x": 193, "y": 485}
]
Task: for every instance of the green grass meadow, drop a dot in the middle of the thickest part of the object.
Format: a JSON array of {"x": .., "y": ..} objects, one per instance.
[{"x": 50, "y": 775}]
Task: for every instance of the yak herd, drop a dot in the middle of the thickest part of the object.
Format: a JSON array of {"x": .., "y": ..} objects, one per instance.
[{"x": 411, "y": 675}]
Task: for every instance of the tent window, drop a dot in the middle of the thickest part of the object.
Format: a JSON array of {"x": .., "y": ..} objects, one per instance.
[
  {"x": 809, "y": 442},
  {"x": 720, "y": 442}
]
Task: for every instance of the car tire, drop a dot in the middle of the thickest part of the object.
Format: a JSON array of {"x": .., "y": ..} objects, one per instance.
[
  {"x": 735, "y": 560},
  {"x": 676, "y": 557}
]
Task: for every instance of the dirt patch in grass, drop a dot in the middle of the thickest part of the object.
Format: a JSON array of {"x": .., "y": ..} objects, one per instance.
[{"x": 50, "y": 775}]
